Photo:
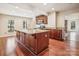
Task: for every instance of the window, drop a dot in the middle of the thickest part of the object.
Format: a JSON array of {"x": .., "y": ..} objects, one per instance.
[
  {"x": 10, "y": 25},
  {"x": 24, "y": 24}
]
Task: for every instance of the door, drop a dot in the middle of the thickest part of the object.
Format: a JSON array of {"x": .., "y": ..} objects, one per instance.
[
  {"x": 72, "y": 25},
  {"x": 73, "y": 28}
]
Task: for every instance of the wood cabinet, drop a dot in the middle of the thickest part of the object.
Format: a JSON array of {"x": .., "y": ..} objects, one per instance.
[
  {"x": 42, "y": 18},
  {"x": 56, "y": 34},
  {"x": 42, "y": 41},
  {"x": 32, "y": 44}
]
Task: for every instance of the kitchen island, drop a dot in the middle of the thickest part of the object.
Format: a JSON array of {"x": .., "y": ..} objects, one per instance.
[{"x": 32, "y": 42}]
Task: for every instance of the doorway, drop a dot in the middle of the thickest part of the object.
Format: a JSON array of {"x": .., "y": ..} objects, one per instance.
[{"x": 71, "y": 29}]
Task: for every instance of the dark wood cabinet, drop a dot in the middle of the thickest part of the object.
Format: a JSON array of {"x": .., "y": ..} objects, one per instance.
[
  {"x": 43, "y": 41},
  {"x": 42, "y": 18},
  {"x": 32, "y": 44},
  {"x": 56, "y": 34}
]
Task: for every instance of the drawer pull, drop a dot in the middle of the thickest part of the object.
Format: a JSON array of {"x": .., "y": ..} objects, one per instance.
[{"x": 45, "y": 35}]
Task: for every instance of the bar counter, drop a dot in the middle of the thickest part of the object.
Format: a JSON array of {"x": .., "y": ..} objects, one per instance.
[{"x": 32, "y": 42}]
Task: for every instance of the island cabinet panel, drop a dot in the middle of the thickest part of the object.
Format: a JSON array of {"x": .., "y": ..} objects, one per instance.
[
  {"x": 18, "y": 35},
  {"x": 42, "y": 41},
  {"x": 32, "y": 44}
]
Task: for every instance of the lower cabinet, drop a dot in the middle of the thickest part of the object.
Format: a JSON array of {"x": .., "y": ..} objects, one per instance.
[
  {"x": 32, "y": 44},
  {"x": 56, "y": 34},
  {"x": 42, "y": 41}
]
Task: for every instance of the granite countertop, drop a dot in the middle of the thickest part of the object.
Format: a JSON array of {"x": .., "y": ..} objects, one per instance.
[{"x": 32, "y": 31}]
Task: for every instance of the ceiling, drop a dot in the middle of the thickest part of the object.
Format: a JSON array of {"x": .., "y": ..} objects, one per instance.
[
  {"x": 48, "y": 7},
  {"x": 33, "y": 9}
]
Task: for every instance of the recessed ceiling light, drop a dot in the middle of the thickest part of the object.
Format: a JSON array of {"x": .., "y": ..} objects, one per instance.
[
  {"x": 53, "y": 8},
  {"x": 16, "y": 7},
  {"x": 44, "y": 3}
]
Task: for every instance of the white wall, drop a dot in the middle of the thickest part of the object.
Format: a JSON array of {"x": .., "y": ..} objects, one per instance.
[
  {"x": 52, "y": 20},
  {"x": 70, "y": 14},
  {"x": 18, "y": 23},
  {"x": 60, "y": 20}
]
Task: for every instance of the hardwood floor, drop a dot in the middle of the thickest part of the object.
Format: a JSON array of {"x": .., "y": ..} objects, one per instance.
[
  {"x": 7, "y": 46},
  {"x": 68, "y": 47}
]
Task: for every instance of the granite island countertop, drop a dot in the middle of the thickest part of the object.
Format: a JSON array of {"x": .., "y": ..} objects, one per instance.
[{"x": 31, "y": 31}]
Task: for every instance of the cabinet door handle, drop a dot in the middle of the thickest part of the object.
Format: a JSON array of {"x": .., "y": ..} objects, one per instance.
[{"x": 45, "y": 35}]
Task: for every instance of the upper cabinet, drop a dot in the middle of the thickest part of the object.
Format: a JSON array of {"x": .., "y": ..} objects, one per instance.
[{"x": 42, "y": 19}]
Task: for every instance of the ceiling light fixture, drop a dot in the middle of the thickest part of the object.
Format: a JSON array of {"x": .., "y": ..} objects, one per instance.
[
  {"x": 53, "y": 8},
  {"x": 16, "y": 7},
  {"x": 44, "y": 3}
]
